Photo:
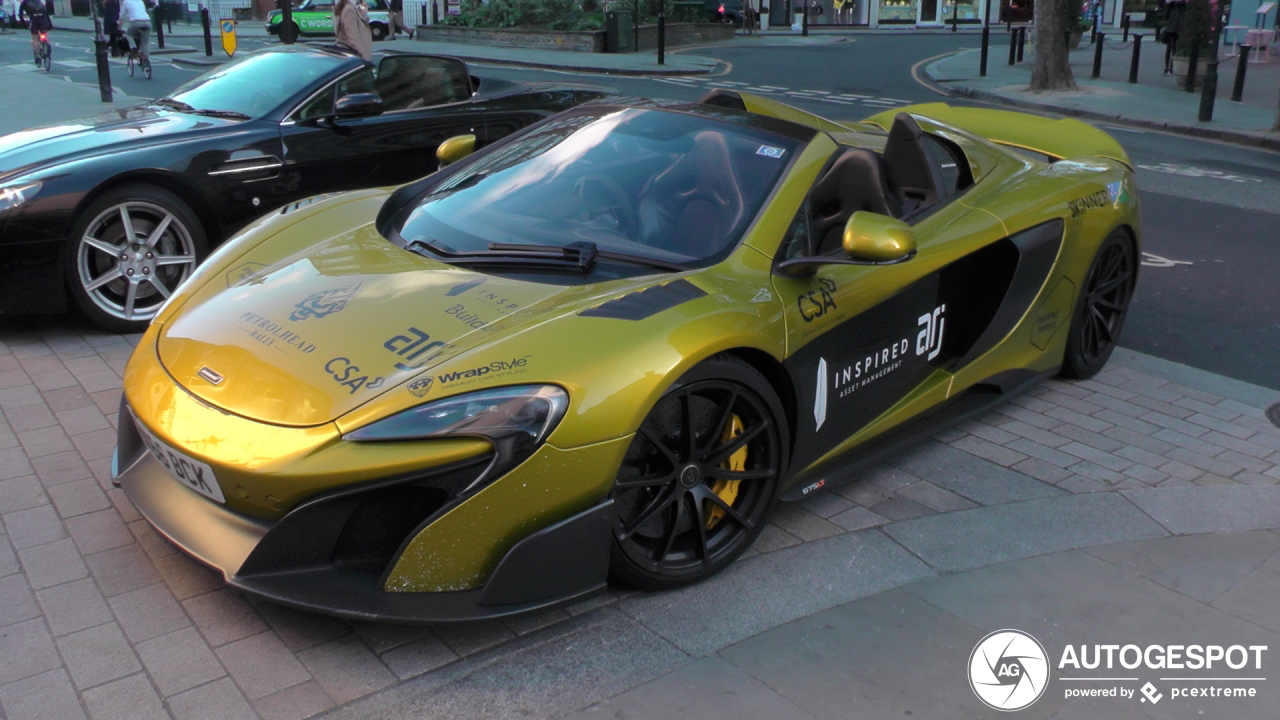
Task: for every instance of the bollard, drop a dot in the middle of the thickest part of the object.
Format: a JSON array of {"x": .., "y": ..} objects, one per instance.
[
  {"x": 1209, "y": 91},
  {"x": 662, "y": 39},
  {"x": 1124, "y": 25},
  {"x": 1191, "y": 68},
  {"x": 1013, "y": 47},
  {"x": 1097, "y": 55},
  {"x": 1022, "y": 41},
  {"x": 804, "y": 20},
  {"x": 426, "y": 19},
  {"x": 1133, "y": 62},
  {"x": 955, "y": 16},
  {"x": 435, "y": 13},
  {"x": 1237, "y": 90},
  {"x": 208, "y": 38},
  {"x": 159, "y": 26},
  {"x": 287, "y": 25},
  {"x": 104, "y": 68},
  {"x": 986, "y": 43}
]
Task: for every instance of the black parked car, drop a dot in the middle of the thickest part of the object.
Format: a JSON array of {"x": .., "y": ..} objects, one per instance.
[{"x": 116, "y": 210}]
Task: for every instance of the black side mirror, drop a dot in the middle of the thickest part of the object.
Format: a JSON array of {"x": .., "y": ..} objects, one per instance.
[{"x": 357, "y": 105}]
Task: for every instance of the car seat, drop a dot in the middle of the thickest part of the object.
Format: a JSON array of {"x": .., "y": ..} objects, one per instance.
[
  {"x": 911, "y": 176},
  {"x": 853, "y": 183},
  {"x": 696, "y": 202}
]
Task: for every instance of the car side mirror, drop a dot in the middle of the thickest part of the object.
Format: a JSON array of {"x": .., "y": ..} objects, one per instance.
[
  {"x": 357, "y": 105},
  {"x": 455, "y": 148},
  {"x": 871, "y": 237}
]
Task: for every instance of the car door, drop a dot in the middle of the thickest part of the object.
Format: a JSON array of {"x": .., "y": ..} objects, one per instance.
[
  {"x": 862, "y": 338},
  {"x": 426, "y": 100}
]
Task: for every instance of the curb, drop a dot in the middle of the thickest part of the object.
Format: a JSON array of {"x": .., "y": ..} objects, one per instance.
[{"x": 1237, "y": 137}]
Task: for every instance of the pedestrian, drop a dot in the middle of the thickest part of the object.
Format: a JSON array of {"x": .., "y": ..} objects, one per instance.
[
  {"x": 136, "y": 21},
  {"x": 1169, "y": 30},
  {"x": 748, "y": 17},
  {"x": 397, "y": 19},
  {"x": 351, "y": 25},
  {"x": 111, "y": 25}
]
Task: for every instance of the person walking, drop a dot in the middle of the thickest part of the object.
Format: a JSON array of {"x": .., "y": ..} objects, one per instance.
[
  {"x": 748, "y": 17},
  {"x": 111, "y": 25},
  {"x": 137, "y": 24},
  {"x": 351, "y": 26},
  {"x": 397, "y": 19}
]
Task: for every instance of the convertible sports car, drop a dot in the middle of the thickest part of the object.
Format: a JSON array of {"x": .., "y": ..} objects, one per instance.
[
  {"x": 116, "y": 210},
  {"x": 606, "y": 345}
]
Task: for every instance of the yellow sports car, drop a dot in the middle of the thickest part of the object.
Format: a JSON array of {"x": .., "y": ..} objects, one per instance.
[{"x": 606, "y": 346}]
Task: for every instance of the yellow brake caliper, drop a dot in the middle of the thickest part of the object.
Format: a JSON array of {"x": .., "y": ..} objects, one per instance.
[{"x": 727, "y": 490}]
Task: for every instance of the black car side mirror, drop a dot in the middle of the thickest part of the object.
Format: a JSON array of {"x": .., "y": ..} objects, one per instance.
[{"x": 357, "y": 105}]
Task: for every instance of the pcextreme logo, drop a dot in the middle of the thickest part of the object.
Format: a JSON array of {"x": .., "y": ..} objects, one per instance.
[{"x": 1008, "y": 670}]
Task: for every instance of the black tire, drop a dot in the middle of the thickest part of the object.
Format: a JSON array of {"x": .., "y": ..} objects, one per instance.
[
  {"x": 131, "y": 64},
  {"x": 1102, "y": 307},
  {"x": 674, "y": 524},
  {"x": 379, "y": 32},
  {"x": 146, "y": 68},
  {"x": 120, "y": 285}
]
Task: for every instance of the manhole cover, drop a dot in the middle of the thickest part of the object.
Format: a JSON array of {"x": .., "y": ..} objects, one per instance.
[{"x": 1273, "y": 414}]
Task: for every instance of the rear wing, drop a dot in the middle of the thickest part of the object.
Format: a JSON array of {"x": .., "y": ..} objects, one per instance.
[{"x": 1057, "y": 138}]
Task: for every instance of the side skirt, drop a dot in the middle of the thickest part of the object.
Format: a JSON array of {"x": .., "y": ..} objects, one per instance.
[{"x": 983, "y": 396}]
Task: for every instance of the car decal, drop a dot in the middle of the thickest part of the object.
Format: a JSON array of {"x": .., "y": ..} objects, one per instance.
[{"x": 645, "y": 303}]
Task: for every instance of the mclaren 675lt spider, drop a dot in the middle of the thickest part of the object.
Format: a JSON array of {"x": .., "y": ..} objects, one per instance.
[{"x": 604, "y": 347}]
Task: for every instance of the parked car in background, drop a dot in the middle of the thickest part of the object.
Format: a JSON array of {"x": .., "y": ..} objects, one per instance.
[
  {"x": 109, "y": 214},
  {"x": 314, "y": 18}
]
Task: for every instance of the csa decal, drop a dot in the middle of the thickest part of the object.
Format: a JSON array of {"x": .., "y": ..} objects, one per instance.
[{"x": 816, "y": 303}]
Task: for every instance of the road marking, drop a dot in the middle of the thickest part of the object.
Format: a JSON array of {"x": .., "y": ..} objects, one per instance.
[
  {"x": 1196, "y": 172},
  {"x": 1153, "y": 260},
  {"x": 74, "y": 63}
]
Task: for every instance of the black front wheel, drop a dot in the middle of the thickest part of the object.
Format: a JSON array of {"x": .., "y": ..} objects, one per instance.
[
  {"x": 700, "y": 477},
  {"x": 379, "y": 32},
  {"x": 1102, "y": 307}
]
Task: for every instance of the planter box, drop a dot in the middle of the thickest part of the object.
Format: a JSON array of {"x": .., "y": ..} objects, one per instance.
[
  {"x": 1180, "y": 67},
  {"x": 591, "y": 41}
]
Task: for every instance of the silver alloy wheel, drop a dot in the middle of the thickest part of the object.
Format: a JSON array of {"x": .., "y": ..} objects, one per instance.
[{"x": 132, "y": 257}]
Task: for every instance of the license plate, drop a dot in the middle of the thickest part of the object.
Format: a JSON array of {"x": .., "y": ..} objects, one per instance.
[{"x": 190, "y": 472}]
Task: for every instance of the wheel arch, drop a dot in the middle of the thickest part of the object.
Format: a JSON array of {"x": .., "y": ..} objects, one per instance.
[
  {"x": 164, "y": 180},
  {"x": 774, "y": 373}
]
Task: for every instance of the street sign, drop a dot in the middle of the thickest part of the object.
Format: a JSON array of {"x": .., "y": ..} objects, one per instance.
[{"x": 228, "y": 28}]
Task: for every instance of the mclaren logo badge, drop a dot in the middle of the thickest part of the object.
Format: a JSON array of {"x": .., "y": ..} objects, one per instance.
[{"x": 211, "y": 375}]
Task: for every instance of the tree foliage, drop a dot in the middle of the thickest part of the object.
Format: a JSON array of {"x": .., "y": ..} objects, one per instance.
[{"x": 541, "y": 14}]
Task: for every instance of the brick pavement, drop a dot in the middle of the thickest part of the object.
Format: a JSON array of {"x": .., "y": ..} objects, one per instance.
[{"x": 101, "y": 618}]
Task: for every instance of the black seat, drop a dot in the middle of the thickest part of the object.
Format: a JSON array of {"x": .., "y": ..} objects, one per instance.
[
  {"x": 855, "y": 182},
  {"x": 910, "y": 174}
]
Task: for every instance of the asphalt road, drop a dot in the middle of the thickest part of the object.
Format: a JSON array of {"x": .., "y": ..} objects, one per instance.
[{"x": 1207, "y": 294}]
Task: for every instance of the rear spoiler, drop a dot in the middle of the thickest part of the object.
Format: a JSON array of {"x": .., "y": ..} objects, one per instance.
[{"x": 1057, "y": 138}]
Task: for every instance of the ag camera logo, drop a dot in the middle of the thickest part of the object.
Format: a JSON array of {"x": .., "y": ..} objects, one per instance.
[{"x": 1008, "y": 670}]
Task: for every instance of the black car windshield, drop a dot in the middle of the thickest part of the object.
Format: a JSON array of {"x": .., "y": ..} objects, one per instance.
[
  {"x": 256, "y": 84},
  {"x": 663, "y": 184}
]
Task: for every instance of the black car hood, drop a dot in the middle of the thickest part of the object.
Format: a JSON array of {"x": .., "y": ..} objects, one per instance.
[{"x": 29, "y": 149}]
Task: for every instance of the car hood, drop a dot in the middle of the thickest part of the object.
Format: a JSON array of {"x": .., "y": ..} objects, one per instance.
[
  {"x": 299, "y": 334},
  {"x": 26, "y": 150}
]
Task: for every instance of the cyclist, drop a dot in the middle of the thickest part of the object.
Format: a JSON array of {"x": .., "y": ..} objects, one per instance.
[
  {"x": 136, "y": 23},
  {"x": 38, "y": 17}
]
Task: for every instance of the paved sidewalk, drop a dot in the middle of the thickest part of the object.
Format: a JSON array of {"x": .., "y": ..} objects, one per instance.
[
  {"x": 100, "y": 618},
  {"x": 1154, "y": 102}
]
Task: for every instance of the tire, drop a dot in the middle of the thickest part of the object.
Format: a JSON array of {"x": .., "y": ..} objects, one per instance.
[
  {"x": 682, "y": 515},
  {"x": 379, "y": 32},
  {"x": 1101, "y": 308},
  {"x": 131, "y": 64},
  {"x": 120, "y": 286},
  {"x": 146, "y": 68}
]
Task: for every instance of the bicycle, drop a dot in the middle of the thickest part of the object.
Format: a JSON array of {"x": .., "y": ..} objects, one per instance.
[
  {"x": 44, "y": 56},
  {"x": 136, "y": 58}
]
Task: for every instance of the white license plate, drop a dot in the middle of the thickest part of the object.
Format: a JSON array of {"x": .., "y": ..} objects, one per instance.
[{"x": 190, "y": 472}]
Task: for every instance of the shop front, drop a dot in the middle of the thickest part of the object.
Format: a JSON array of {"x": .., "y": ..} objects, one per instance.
[{"x": 876, "y": 13}]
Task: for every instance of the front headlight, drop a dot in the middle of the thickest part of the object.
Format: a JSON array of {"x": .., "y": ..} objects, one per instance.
[
  {"x": 515, "y": 419},
  {"x": 13, "y": 195}
]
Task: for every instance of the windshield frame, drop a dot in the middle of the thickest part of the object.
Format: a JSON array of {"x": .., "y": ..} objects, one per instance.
[
  {"x": 400, "y": 206},
  {"x": 343, "y": 64}
]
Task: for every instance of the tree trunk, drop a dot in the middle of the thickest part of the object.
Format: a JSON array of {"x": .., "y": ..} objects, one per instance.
[{"x": 1051, "y": 69}]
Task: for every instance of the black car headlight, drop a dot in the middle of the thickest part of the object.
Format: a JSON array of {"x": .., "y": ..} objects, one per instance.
[
  {"x": 14, "y": 194},
  {"x": 515, "y": 419}
]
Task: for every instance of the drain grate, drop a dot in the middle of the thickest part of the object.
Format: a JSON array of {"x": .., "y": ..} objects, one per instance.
[{"x": 1273, "y": 414}]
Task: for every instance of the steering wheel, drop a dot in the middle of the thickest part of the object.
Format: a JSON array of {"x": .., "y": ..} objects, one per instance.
[{"x": 600, "y": 191}]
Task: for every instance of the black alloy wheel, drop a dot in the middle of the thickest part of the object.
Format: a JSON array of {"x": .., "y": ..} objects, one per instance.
[
  {"x": 378, "y": 31},
  {"x": 1102, "y": 307},
  {"x": 700, "y": 477}
]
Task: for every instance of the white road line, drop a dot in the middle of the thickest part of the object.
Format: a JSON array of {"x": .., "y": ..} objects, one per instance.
[{"x": 74, "y": 63}]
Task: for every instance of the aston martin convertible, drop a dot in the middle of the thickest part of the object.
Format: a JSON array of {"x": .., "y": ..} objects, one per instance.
[
  {"x": 605, "y": 347},
  {"x": 110, "y": 214}
]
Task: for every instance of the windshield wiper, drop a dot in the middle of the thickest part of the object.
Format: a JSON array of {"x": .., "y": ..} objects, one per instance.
[
  {"x": 229, "y": 114},
  {"x": 173, "y": 105},
  {"x": 577, "y": 256}
]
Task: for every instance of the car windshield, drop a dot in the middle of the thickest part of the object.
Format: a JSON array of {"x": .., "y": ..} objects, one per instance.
[
  {"x": 661, "y": 184},
  {"x": 255, "y": 84}
]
